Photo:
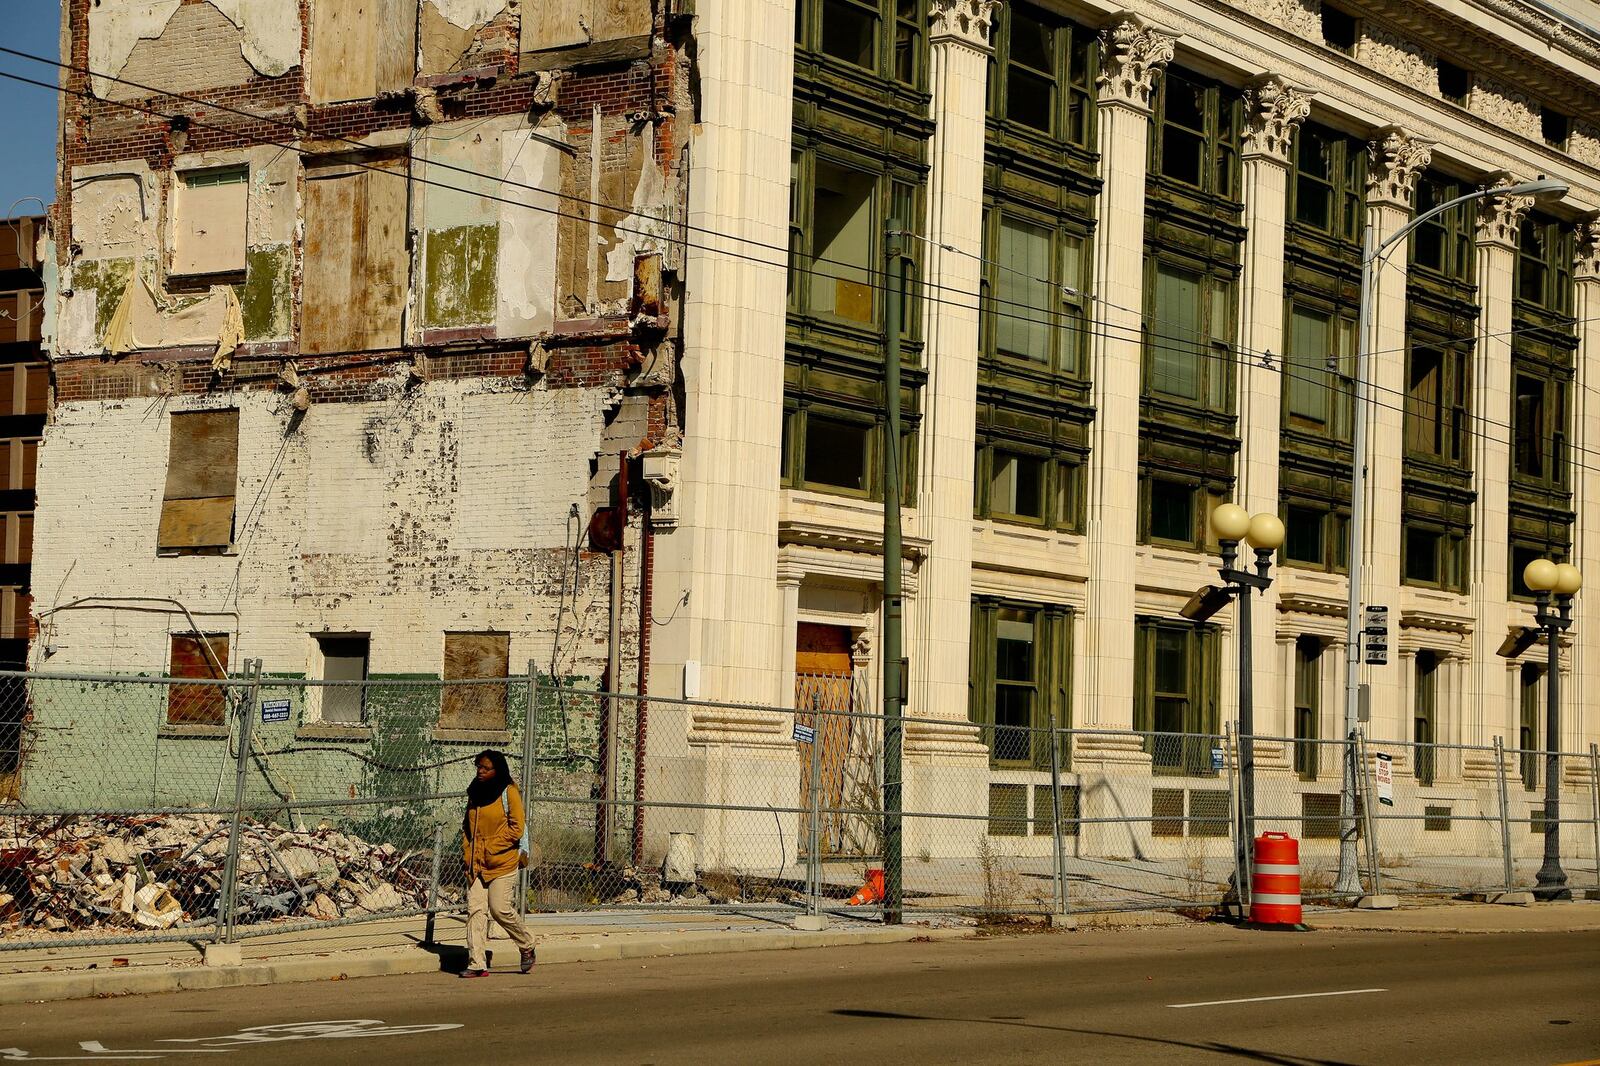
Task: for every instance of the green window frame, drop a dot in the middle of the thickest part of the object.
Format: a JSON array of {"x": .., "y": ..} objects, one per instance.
[
  {"x": 1438, "y": 401},
  {"x": 1042, "y": 74},
  {"x": 1327, "y": 192},
  {"x": 836, "y": 447},
  {"x": 1035, "y": 311},
  {"x": 851, "y": 32},
  {"x": 1319, "y": 368},
  {"x": 1433, "y": 555},
  {"x": 1177, "y": 688},
  {"x": 1425, "y": 715},
  {"x": 1307, "y": 705},
  {"x": 1446, "y": 244},
  {"x": 1540, "y": 421},
  {"x": 1190, "y": 321},
  {"x": 1023, "y": 483},
  {"x": 1195, "y": 133},
  {"x": 1545, "y": 250},
  {"x": 1530, "y": 706},
  {"x": 1316, "y": 535},
  {"x": 1021, "y": 679}
]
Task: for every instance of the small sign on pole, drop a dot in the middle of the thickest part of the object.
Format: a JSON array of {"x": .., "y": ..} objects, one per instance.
[
  {"x": 274, "y": 711},
  {"x": 1375, "y": 634},
  {"x": 1216, "y": 759},
  {"x": 1384, "y": 776},
  {"x": 805, "y": 734}
]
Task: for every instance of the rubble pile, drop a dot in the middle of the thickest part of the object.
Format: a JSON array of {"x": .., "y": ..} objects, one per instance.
[{"x": 115, "y": 874}]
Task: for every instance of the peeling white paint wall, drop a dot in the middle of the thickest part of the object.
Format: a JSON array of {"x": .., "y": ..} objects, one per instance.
[
  {"x": 527, "y": 297},
  {"x": 465, "y": 14},
  {"x": 116, "y": 26},
  {"x": 271, "y": 32},
  {"x": 649, "y": 229}
]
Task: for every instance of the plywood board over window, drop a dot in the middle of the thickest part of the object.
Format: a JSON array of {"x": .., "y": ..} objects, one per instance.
[
  {"x": 208, "y": 230},
  {"x": 198, "y": 704},
  {"x": 356, "y": 263},
  {"x": 550, "y": 24},
  {"x": 361, "y": 48},
  {"x": 202, "y": 468},
  {"x": 469, "y": 656}
]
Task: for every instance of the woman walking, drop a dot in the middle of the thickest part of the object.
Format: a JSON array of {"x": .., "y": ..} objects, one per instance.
[{"x": 491, "y": 835}]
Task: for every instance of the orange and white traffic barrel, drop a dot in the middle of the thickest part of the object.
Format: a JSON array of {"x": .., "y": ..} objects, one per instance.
[{"x": 1275, "y": 880}]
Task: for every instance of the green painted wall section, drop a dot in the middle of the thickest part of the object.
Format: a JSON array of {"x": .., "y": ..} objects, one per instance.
[
  {"x": 460, "y": 276},
  {"x": 265, "y": 296},
  {"x": 108, "y": 280}
]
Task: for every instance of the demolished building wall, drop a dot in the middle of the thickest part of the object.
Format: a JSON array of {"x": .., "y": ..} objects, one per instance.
[{"x": 341, "y": 227}]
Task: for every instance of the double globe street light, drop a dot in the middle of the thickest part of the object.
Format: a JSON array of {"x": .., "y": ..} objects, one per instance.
[{"x": 1264, "y": 532}]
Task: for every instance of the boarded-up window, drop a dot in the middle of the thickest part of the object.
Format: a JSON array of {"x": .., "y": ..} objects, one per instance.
[
  {"x": 198, "y": 704},
  {"x": 356, "y": 262},
  {"x": 567, "y": 23},
  {"x": 208, "y": 221},
  {"x": 361, "y": 48},
  {"x": 202, "y": 466},
  {"x": 475, "y": 655}
]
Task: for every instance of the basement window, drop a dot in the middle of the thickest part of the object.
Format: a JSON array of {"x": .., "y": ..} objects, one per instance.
[
  {"x": 344, "y": 658},
  {"x": 209, "y": 221},
  {"x": 197, "y": 655},
  {"x": 474, "y": 657},
  {"x": 1008, "y": 810},
  {"x": 202, "y": 466}
]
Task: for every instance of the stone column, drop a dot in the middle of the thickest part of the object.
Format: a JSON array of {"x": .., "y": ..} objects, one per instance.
[
  {"x": 1131, "y": 54},
  {"x": 1396, "y": 160},
  {"x": 1580, "y": 717},
  {"x": 723, "y": 555},
  {"x": 1485, "y": 704},
  {"x": 1274, "y": 110}
]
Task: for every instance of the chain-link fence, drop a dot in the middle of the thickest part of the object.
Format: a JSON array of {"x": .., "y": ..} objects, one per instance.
[{"x": 198, "y": 809}]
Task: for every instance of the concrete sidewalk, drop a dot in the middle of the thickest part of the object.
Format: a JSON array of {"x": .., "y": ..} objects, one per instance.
[
  {"x": 398, "y": 947},
  {"x": 1452, "y": 916}
]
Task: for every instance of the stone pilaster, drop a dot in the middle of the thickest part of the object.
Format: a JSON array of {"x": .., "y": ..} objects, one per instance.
[
  {"x": 959, "y": 40},
  {"x": 1580, "y": 716},
  {"x": 1485, "y": 707},
  {"x": 1132, "y": 53},
  {"x": 1274, "y": 110},
  {"x": 1395, "y": 162}
]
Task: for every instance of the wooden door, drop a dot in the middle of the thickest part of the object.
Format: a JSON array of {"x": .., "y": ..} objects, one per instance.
[{"x": 823, "y": 684}]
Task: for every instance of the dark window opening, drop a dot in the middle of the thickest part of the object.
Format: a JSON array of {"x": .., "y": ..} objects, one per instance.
[
  {"x": 835, "y": 453},
  {"x": 1172, "y": 511},
  {"x": 344, "y": 658},
  {"x": 1455, "y": 83},
  {"x": 1340, "y": 29},
  {"x": 850, "y": 31},
  {"x": 1423, "y": 731},
  {"x": 1555, "y": 127}
]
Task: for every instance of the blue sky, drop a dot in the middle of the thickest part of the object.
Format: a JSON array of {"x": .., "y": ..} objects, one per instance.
[{"x": 28, "y": 113}]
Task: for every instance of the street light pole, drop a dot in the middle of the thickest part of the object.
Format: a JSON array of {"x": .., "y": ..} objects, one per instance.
[
  {"x": 1552, "y": 584},
  {"x": 1349, "y": 883}
]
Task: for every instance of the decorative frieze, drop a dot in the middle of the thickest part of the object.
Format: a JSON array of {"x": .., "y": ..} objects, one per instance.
[
  {"x": 1510, "y": 109},
  {"x": 1394, "y": 162},
  {"x": 1383, "y": 51},
  {"x": 1130, "y": 55},
  {"x": 1584, "y": 144},
  {"x": 1301, "y": 17},
  {"x": 1274, "y": 110},
  {"x": 968, "y": 22}
]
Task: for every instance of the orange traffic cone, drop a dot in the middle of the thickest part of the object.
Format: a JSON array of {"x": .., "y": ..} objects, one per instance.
[{"x": 872, "y": 891}]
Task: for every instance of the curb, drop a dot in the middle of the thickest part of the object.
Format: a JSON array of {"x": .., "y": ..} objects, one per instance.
[{"x": 84, "y": 984}]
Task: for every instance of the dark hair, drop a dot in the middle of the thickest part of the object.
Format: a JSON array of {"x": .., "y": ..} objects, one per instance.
[{"x": 482, "y": 793}]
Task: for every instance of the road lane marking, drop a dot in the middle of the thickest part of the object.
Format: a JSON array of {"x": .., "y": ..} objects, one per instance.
[{"x": 1269, "y": 999}]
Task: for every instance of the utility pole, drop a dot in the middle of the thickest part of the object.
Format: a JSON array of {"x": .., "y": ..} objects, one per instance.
[{"x": 893, "y": 606}]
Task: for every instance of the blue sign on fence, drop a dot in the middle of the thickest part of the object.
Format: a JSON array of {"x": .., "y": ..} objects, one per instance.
[
  {"x": 805, "y": 734},
  {"x": 1216, "y": 759},
  {"x": 274, "y": 710}
]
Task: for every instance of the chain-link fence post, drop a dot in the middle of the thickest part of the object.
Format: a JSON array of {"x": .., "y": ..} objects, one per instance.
[
  {"x": 815, "y": 857},
  {"x": 433, "y": 884},
  {"x": 530, "y": 727},
  {"x": 1059, "y": 867},
  {"x": 1505, "y": 817},
  {"x": 227, "y": 892},
  {"x": 1369, "y": 814}
]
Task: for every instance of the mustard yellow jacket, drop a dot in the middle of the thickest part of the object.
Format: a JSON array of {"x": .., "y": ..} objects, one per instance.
[{"x": 489, "y": 839}]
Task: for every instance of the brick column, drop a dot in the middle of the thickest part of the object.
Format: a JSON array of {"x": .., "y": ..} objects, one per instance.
[
  {"x": 1485, "y": 705},
  {"x": 1396, "y": 160},
  {"x": 1275, "y": 110},
  {"x": 1131, "y": 54}
]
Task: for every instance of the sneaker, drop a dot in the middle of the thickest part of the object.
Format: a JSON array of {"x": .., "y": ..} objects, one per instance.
[
  {"x": 473, "y": 973},
  {"x": 527, "y": 960}
]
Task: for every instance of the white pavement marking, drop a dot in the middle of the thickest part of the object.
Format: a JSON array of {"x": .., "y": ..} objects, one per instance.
[{"x": 1268, "y": 999}]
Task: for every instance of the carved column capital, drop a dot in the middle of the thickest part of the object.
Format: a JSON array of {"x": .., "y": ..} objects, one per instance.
[
  {"x": 967, "y": 22},
  {"x": 1395, "y": 161},
  {"x": 661, "y": 474},
  {"x": 1587, "y": 265},
  {"x": 1131, "y": 52},
  {"x": 1500, "y": 217},
  {"x": 1274, "y": 110}
]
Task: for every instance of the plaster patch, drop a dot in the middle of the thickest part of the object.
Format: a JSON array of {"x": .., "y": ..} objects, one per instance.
[
  {"x": 467, "y": 13},
  {"x": 648, "y": 230},
  {"x": 116, "y": 26},
  {"x": 528, "y": 237},
  {"x": 271, "y": 32}
]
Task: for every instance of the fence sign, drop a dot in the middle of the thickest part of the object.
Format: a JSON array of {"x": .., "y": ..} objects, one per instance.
[
  {"x": 1216, "y": 758},
  {"x": 1383, "y": 770},
  {"x": 805, "y": 734},
  {"x": 274, "y": 710}
]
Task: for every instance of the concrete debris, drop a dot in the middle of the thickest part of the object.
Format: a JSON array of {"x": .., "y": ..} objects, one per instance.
[{"x": 108, "y": 875}]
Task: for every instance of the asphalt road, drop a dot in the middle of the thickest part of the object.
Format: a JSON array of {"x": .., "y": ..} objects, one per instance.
[{"x": 1086, "y": 997}]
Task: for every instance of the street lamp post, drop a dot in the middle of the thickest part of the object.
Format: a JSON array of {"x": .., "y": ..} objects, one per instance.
[
  {"x": 1349, "y": 883},
  {"x": 1553, "y": 585},
  {"x": 1264, "y": 532}
]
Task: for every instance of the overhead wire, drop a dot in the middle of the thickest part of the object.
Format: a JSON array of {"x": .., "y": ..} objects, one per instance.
[{"x": 1239, "y": 354}]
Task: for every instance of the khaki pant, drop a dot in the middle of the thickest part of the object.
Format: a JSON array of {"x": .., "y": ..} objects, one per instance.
[{"x": 495, "y": 898}]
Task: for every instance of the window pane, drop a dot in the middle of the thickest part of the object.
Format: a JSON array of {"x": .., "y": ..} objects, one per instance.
[
  {"x": 1032, "y": 42},
  {"x": 1023, "y": 291},
  {"x": 1303, "y": 539},
  {"x": 1013, "y": 658},
  {"x": 1422, "y": 555},
  {"x": 1530, "y": 430},
  {"x": 836, "y": 453},
  {"x": 1013, "y": 715},
  {"x": 1029, "y": 98},
  {"x": 343, "y": 659},
  {"x": 1172, "y": 662},
  {"x": 1309, "y": 348},
  {"x": 1182, "y": 154},
  {"x": 1171, "y": 511},
  {"x": 842, "y": 243},
  {"x": 1424, "y": 397},
  {"x": 1014, "y": 488},
  {"x": 1175, "y": 327},
  {"x": 849, "y": 32}
]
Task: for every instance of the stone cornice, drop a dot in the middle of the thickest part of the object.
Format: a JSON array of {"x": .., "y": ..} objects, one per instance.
[
  {"x": 1131, "y": 53},
  {"x": 1274, "y": 109},
  {"x": 1395, "y": 159},
  {"x": 963, "y": 22}
]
